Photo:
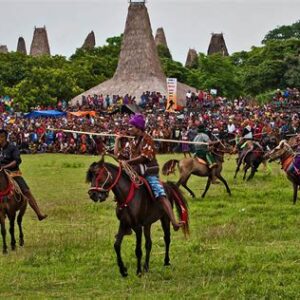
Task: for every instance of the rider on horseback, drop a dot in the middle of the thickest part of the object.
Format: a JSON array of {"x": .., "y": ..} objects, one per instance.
[
  {"x": 10, "y": 160},
  {"x": 203, "y": 150},
  {"x": 140, "y": 153},
  {"x": 247, "y": 144}
]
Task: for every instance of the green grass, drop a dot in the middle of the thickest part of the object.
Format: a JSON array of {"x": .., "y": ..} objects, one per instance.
[{"x": 241, "y": 247}]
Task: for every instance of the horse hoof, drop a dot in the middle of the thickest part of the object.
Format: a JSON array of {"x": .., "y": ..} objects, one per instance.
[
  {"x": 139, "y": 274},
  {"x": 5, "y": 251},
  {"x": 146, "y": 268},
  {"x": 124, "y": 274},
  {"x": 166, "y": 264},
  {"x": 21, "y": 243},
  {"x": 13, "y": 248}
]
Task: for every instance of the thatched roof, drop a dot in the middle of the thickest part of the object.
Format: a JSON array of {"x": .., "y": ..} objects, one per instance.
[
  {"x": 217, "y": 45},
  {"x": 40, "y": 44},
  {"x": 3, "y": 49},
  {"x": 21, "y": 47},
  {"x": 90, "y": 41},
  {"x": 191, "y": 59},
  {"x": 139, "y": 68},
  {"x": 160, "y": 38}
]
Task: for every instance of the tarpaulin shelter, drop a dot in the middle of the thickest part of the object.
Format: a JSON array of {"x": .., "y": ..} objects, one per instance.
[
  {"x": 130, "y": 109},
  {"x": 83, "y": 113},
  {"x": 45, "y": 114}
]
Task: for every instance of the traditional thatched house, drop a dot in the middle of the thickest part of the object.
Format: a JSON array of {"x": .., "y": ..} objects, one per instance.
[
  {"x": 3, "y": 49},
  {"x": 217, "y": 45},
  {"x": 191, "y": 59},
  {"x": 160, "y": 38},
  {"x": 21, "y": 47},
  {"x": 139, "y": 68},
  {"x": 40, "y": 44},
  {"x": 90, "y": 41}
]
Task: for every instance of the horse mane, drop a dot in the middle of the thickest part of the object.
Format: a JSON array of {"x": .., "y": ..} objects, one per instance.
[{"x": 89, "y": 173}]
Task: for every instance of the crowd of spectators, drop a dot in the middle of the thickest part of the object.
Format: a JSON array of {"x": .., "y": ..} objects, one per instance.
[{"x": 221, "y": 116}]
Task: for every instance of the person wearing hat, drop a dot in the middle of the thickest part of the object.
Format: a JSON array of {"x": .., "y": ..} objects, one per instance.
[
  {"x": 139, "y": 152},
  {"x": 202, "y": 151}
]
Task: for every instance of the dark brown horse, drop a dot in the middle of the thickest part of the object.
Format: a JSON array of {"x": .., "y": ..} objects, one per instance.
[
  {"x": 285, "y": 153},
  {"x": 252, "y": 160},
  {"x": 136, "y": 209},
  {"x": 192, "y": 166},
  {"x": 10, "y": 202}
]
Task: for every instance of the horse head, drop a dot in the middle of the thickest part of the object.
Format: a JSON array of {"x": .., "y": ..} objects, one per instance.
[
  {"x": 101, "y": 180},
  {"x": 280, "y": 150}
]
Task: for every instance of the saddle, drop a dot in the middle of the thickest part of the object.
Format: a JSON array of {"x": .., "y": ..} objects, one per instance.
[
  {"x": 201, "y": 161},
  {"x": 136, "y": 181}
]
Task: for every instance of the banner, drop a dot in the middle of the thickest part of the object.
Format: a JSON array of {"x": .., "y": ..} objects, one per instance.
[{"x": 172, "y": 94}]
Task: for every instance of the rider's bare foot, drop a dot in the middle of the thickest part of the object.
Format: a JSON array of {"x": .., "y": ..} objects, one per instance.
[
  {"x": 42, "y": 217},
  {"x": 176, "y": 226}
]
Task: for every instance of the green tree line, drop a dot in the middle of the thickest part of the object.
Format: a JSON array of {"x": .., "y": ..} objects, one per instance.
[{"x": 46, "y": 79}]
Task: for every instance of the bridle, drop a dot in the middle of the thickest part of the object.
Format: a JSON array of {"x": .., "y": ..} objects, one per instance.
[{"x": 109, "y": 176}]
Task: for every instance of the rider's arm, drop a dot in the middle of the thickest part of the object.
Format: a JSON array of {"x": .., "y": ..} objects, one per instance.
[
  {"x": 116, "y": 148},
  {"x": 12, "y": 164},
  {"x": 138, "y": 160},
  {"x": 14, "y": 157}
]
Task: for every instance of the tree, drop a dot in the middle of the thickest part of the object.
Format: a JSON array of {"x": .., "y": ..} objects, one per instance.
[{"x": 283, "y": 32}]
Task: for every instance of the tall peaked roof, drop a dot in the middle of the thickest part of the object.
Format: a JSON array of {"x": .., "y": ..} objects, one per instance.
[
  {"x": 217, "y": 45},
  {"x": 40, "y": 43},
  {"x": 191, "y": 59},
  {"x": 160, "y": 37},
  {"x": 138, "y": 46},
  {"x": 90, "y": 41},
  {"x": 3, "y": 49},
  {"x": 21, "y": 47},
  {"x": 139, "y": 68}
]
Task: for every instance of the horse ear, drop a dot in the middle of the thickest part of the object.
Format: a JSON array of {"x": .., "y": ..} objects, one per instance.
[{"x": 101, "y": 159}]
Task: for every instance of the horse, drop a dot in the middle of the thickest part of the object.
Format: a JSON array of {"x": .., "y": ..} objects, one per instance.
[
  {"x": 285, "y": 153},
  {"x": 11, "y": 201},
  {"x": 136, "y": 208},
  {"x": 254, "y": 158},
  {"x": 194, "y": 166}
]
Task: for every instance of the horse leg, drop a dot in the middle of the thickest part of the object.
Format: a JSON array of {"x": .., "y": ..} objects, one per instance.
[
  {"x": 206, "y": 187},
  {"x": 3, "y": 233},
  {"x": 148, "y": 246},
  {"x": 245, "y": 171},
  {"x": 19, "y": 221},
  {"x": 117, "y": 246},
  {"x": 253, "y": 170},
  {"x": 138, "y": 249},
  {"x": 239, "y": 162},
  {"x": 295, "y": 185},
  {"x": 183, "y": 181},
  {"x": 225, "y": 183},
  {"x": 165, "y": 223},
  {"x": 12, "y": 217}
]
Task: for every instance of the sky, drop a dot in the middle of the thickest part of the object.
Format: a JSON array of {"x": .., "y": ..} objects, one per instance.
[{"x": 187, "y": 23}]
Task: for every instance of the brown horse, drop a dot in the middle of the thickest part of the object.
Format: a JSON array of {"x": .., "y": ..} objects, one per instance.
[
  {"x": 192, "y": 166},
  {"x": 285, "y": 153},
  {"x": 136, "y": 208},
  {"x": 10, "y": 202}
]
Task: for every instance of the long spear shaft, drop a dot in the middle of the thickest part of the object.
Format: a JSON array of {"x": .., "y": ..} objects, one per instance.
[{"x": 127, "y": 136}]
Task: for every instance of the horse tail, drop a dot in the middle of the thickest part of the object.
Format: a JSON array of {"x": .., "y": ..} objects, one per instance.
[
  {"x": 176, "y": 196},
  {"x": 169, "y": 166}
]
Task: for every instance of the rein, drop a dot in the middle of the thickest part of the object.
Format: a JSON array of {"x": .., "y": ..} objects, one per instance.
[{"x": 99, "y": 175}]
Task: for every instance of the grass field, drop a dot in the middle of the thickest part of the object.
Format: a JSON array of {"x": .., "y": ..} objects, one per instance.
[{"x": 242, "y": 247}]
